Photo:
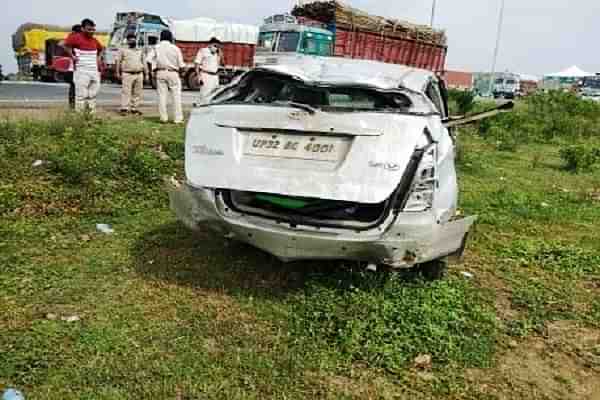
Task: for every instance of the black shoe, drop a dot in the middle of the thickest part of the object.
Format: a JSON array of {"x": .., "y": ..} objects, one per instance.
[{"x": 137, "y": 112}]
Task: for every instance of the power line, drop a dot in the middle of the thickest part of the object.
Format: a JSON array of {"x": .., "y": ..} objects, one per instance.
[{"x": 433, "y": 6}]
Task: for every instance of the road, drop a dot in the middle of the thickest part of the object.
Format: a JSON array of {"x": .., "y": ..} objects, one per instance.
[{"x": 29, "y": 93}]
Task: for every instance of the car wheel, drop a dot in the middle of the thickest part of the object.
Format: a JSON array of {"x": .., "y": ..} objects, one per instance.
[{"x": 434, "y": 270}]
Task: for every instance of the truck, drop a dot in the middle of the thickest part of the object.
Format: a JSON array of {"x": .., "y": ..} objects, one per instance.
[
  {"x": 239, "y": 42},
  {"x": 332, "y": 28},
  {"x": 37, "y": 52},
  {"x": 507, "y": 85},
  {"x": 589, "y": 88}
]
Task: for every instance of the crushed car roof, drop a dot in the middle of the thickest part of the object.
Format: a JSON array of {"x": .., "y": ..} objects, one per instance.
[{"x": 343, "y": 71}]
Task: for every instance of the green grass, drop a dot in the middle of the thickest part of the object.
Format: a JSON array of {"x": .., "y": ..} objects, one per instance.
[{"x": 168, "y": 313}]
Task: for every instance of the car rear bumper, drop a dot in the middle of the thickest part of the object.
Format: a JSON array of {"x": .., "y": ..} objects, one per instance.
[{"x": 410, "y": 239}]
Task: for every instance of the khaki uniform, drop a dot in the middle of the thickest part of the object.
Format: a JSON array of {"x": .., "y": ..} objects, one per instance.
[
  {"x": 131, "y": 63},
  {"x": 168, "y": 60},
  {"x": 209, "y": 68}
]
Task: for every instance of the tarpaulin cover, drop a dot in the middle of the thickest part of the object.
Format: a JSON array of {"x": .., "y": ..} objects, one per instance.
[
  {"x": 32, "y": 37},
  {"x": 204, "y": 29}
]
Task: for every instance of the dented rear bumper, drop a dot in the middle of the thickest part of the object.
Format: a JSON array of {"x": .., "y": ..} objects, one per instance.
[{"x": 403, "y": 241}]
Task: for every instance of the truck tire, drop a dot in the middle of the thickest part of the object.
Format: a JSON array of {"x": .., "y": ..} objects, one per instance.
[
  {"x": 434, "y": 270},
  {"x": 191, "y": 81}
]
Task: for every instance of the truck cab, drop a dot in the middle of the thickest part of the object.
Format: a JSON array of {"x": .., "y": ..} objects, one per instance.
[
  {"x": 283, "y": 35},
  {"x": 145, "y": 26},
  {"x": 589, "y": 88},
  {"x": 507, "y": 86}
]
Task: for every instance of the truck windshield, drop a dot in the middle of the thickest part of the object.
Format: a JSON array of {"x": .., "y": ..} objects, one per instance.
[
  {"x": 320, "y": 45},
  {"x": 276, "y": 90},
  {"x": 288, "y": 41},
  {"x": 117, "y": 37},
  {"x": 266, "y": 41},
  {"x": 592, "y": 83}
]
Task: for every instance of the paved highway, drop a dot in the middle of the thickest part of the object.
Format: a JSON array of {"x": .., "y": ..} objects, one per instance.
[{"x": 24, "y": 93}]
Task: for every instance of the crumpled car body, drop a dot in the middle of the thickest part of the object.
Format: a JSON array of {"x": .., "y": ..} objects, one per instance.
[{"x": 326, "y": 159}]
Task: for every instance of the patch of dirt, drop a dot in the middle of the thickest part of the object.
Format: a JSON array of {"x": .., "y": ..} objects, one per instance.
[
  {"x": 364, "y": 386},
  {"x": 564, "y": 365}
]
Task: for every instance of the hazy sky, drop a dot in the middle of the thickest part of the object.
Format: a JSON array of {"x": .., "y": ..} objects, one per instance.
[{"x": 540, "y": 36}]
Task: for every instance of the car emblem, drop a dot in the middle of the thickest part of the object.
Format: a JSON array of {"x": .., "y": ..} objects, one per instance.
[
  {"x": 297, "y": 115},
  {"x": 385, "y": 165}
]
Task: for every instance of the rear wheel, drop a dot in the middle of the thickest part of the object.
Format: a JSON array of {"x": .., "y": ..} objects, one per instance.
[
  {"x": 434, "y": 270},
  {"x": 192, "y": 81}
]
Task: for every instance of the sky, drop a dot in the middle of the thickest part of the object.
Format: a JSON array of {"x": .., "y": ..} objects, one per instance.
[{"x": 539, "y": 36}]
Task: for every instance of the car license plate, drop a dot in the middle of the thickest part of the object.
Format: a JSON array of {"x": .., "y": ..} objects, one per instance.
[{"x": 303, "y": 147}]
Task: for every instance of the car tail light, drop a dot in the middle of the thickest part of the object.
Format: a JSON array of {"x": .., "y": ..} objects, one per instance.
[{"x": 425, "y": 182}]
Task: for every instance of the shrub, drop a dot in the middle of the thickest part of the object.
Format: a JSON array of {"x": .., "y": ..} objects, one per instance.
[
  {"x": 461, "y": 102},
  {"x": 580, "y": 158}
]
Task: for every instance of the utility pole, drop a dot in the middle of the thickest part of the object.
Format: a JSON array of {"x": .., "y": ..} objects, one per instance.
[
  {"x": 433, "y": 6},
  {"x": 500, "y": 22}
]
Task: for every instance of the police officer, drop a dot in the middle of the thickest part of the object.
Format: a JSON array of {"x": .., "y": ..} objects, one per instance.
[
  {"x": 207, "y": 63},
  {"x": 130, "y": 70}
]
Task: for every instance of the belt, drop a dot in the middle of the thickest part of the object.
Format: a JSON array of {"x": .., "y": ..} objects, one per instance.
[
  {"x": 133, "y": 72},
  {"x": 166, "y": 69},
  {"x": 209, "y": 73}
]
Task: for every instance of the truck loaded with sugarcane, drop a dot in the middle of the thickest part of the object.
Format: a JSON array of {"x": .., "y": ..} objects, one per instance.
[{"x": 332, "y": 28}]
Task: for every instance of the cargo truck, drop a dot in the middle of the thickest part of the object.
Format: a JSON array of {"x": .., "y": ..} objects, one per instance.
[
  {"x": 332, "y": 28},
  {"x": 37, "y": 52},
  {"x": 239, "y": 42}
]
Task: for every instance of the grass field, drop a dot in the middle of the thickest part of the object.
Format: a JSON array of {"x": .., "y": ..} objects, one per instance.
[{"x": 156, "y": 311}]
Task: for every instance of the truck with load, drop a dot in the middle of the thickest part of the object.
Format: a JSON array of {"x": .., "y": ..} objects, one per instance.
[
  {"x": 37, "y": 51},
  {"x": 239, "y": 42},
  {"x": 331, "y": 28}
]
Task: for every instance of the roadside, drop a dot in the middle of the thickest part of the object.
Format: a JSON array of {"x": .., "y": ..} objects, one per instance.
[{"x": 154, "y": 310}]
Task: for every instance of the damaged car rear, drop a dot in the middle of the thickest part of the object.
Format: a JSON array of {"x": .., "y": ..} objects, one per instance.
[{"x": 327, "y": 159}]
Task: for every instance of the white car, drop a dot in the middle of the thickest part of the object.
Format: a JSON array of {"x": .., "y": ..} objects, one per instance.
[{"x": 327, "y": 158}]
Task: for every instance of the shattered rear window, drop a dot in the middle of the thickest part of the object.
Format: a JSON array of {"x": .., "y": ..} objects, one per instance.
[{"x": 271, "y": 89}]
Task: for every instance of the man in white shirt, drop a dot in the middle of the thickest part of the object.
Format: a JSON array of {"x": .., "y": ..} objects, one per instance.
[
  {"x": 207, "y": 63},
  {"x": 168, "y": 60}
]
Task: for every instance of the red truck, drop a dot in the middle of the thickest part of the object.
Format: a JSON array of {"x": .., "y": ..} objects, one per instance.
[
  {"x": 239, "y": 42},
  {"x": 334, "y": 29}
]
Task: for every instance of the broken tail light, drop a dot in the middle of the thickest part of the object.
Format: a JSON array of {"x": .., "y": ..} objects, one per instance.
[{"x": 425, "y": 182}]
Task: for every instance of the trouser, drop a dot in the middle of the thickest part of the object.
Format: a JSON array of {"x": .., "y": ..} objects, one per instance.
[
  {"x": 131, "y": 92},
  {"x": 169, "y": 81},
  {"x": 87, "y": 85},
  {"x": 69, "y": 80},
  {"x": 210, "y": 83}
]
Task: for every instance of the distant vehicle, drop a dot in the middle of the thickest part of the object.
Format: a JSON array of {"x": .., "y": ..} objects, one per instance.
[
  {"x": 507, "y": 86},
  {"x": 328, "y": 158},
  {"x": 37, "y": 52},
  {"x": 589, "y": 88},
  {"x": 239, "y": 42},
  {"x": 335, "y": 29}
]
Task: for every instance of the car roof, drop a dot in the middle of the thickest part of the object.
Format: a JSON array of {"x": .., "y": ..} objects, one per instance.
[{"x": 348, "y": 72}]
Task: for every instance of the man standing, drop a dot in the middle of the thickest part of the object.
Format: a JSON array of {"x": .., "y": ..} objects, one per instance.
[
  {"x": 69, "y": 74},
  {"x": 85, "y": 51},
  {"x": 169, "y": 61},
  {"x": 130, "y": 70},
  {"x": 207, "y": 63}
]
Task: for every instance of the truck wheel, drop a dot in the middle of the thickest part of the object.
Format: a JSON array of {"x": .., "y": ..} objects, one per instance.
[
  {"x": 192, "y": 81},
  {"x": 434, "y": 270}
]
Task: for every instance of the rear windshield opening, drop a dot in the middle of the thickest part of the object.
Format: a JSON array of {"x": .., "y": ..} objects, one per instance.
[{"x": 274, "y": 90}]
